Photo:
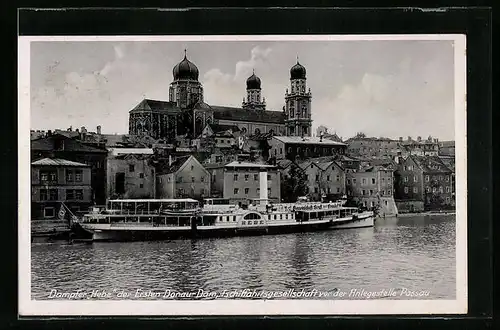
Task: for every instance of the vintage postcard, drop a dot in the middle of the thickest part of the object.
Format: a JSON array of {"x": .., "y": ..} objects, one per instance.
[{"x": 242, "y": 175}]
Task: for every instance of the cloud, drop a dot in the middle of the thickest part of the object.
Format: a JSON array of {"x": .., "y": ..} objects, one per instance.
[{"x": 224, "y": 88}]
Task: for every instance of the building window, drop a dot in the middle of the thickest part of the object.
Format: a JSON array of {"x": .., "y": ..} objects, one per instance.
[
  {"x": 447, "y": 178},
  {"x": 404, "y": 167},
  {"x": 327, "y": 178},
  {"x": 317, "y": 177},
  {"x": 44, "y": 195},
  {"x": 256, "y": 177},
  {"x": 440, "y": 178},
  {"x": 131, "y": 168},
  {"x": 48, "y": 176},
  {"x": 48, "y": 212},
  {"x": 269, "y": 177},
  {"x": 247, "y": 190},
  {"x": 447, "y": 189},
  {"x": 141, "y": 185},
  {"x": 353, "y": 181},
  {"x": 406, "y": 190},
  {"x": 329, "y": 190},
  {"x": 363, "y": 192},
  {"x": 141, "y": 175},
  {"x": 371, "y": 192},
  {"x": 192, "y": 179},
  {"x": 415, "y": 190},
  {"x": 235, "y": 191},
  {"x": 415, "y": 178},
  {"x": 338, "y": 189},
  {"x": 179, "y": 179},
  {"x": 337, "y": 178},
  {"x": 69, "y": 176},
  {"x": 385, "y": 202},
  {"x": 364, "y": 181},
  {"x": 281, "y": 151},
  {"x": 448, "y": 200},
  {"x": 348, "y": 181},
  {"x": 405, "y": 179},
  {"x": 428, "y": 189},
  {"x": 434, "y": 189},
  {"x": 315, "y": 190},
  {"x": 441, "y": 189},
  {"x": 269, "y": 191},
  {"x": 235, "y": 177},
  {"x": 373, "y": 180},
  {"x": 53, "y": 195},
  {"x": 202, "y": 179}
]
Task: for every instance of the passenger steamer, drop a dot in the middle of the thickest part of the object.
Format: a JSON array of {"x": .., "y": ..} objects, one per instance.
[{"x": 151, "y": 219}]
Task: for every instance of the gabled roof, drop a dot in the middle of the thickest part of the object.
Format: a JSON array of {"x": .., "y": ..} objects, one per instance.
[
  {"x": 156, "y": 106},
  {"x": 67, "y": 144},
  {"x": 133, "y": 156},
  {"x": 283, "y": 163},
  {"x": 57, "y": 162},
  {"x": 239, "y": 114},
  {"x": 175, "y": 166}
]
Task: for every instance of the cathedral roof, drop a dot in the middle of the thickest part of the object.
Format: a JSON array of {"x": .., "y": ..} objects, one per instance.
[
  {"x": 156, "y": 106},
  {"x": 298, "y": 71},
  {"x": 253, "y": 82},
  {"x": 239, "y": 114},
  {"x": 185, "y": 69}
]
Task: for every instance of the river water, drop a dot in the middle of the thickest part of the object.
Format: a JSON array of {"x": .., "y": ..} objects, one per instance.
[{"x": 412, "y": 256}]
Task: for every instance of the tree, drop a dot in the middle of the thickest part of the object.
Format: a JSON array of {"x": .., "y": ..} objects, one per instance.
[{"x": 293, "y": 185}]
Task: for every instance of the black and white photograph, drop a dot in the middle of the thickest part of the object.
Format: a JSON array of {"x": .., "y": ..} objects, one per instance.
[{"x": 242, "y": 175}]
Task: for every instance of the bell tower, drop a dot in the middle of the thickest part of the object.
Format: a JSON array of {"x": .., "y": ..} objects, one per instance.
[
  {"x": 254, "y": 99},
  {"x": 298, "y": 120}
]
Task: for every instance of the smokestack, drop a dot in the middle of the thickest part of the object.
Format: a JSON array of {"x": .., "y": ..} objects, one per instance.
[
  {"x": 263, "y": 188},
  {"x": 99, "y": 130}
]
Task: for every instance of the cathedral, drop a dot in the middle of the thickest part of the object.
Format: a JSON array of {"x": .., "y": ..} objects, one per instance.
[{"x": 186, "y": 113}]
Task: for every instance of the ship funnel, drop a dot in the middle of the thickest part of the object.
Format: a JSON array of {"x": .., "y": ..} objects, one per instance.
[{"x": 263, "y": 188}]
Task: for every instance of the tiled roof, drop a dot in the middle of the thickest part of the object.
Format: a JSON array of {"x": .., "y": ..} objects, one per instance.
[
  {"x": 430, "y": 164},
  {"x": 449, "y": 162},
  {"x": 239, "y": 114},
  {"x": 57, "y": 162},
  {"x": 49, "y": 144},
  {"x": 175, "y": 166},
  {"x": 156, "y": 106},
  {"x": 283, "y": 163},
  {"x": 307, "y": 140}
]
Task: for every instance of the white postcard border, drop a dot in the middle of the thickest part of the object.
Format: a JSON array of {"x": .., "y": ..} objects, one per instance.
[{"x": 28, "y": 307}]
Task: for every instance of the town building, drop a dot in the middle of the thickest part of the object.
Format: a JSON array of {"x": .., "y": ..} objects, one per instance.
[
  {"x": 241, "y": 181},
  {"x": 55, "y": 181},
  {"x": 425, "y": 180},
  {"x": 361, "y": 146},
  {"x": 130, "y": 175},
  {"x": 183, "y": 177},
  {"x": 325, "y": 179},
  {"x": 373, "y": 187},
  {"x": 296, "y": 147},
  {"x": 62, "y": 147},
  {"x": 186, "y": 113},
  {"x": 420, "y": 147},
  {"x": 447, "y": 148}
]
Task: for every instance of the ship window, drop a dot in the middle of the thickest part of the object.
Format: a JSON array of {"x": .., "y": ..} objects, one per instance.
[{"x": 252, "y": 216}]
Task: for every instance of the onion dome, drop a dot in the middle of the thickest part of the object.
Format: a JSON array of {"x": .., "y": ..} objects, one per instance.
[
  {"x": 253, "y": 82},
  {"x": 298, "y": 71},
  {"x": 185, "y": 69}
]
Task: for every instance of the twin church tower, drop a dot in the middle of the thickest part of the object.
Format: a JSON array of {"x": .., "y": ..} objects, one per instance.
[{"x": 186, "y": 112}]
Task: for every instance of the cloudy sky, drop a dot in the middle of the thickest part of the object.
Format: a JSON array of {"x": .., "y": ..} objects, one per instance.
[{"x": 381, "y": 88}]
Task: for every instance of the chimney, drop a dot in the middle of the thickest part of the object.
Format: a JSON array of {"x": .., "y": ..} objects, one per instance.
[
  {"x": 49, "y": 133},
  {"x": 419, "y": 139},
  {"x": 99, "y": 129},
  {"x": 321, "y": 136},
  {"x": 400, "y": 139},
  {"x": 263, "y": 187},
  {"x": 70, "y": 129},
  {"x": 409, "y": 138}
]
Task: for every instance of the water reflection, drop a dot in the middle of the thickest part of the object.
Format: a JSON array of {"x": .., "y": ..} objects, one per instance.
[{"x": 417, "y": 253}]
